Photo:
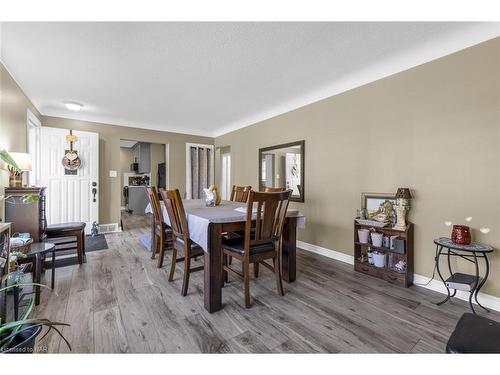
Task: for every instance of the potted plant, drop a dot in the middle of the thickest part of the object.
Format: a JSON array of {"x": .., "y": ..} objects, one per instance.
[
  {"x": 7, "y": 158},
  {"x": 19, "y": 336}
]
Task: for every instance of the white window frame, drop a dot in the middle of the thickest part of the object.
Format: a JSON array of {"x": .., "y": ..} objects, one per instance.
[
  {"x": 226, "y": 175},
  {"x": 189, "y": 192},
  {"x": 33, "y": 129}
]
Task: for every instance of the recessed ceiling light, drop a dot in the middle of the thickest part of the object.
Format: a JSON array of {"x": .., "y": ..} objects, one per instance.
[{"x": 73, "y": 106}]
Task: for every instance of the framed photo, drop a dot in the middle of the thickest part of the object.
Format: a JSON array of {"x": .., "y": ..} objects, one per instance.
[{"x": 378, "y": 203}]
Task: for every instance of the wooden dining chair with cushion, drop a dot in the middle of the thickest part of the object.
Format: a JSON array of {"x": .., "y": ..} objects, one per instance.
[
  {"x": 180, "y": 234},
  {"x": 274, "y": 189},
  {"x": 261, "y": 241},
  {"x": 162, "y": 232},
  {"x": 240, "y": 193}
]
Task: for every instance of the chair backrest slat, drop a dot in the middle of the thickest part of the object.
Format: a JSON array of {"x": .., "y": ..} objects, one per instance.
[
  {"x": 269, "y": 218},
  {"x": 155, "y": 204},
  {"x": 274, "y": 189},
  {"x": 240, "y": 193},
  {"x": 176, "y": 213}
]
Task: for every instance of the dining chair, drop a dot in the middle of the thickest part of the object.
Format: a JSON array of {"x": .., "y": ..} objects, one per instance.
[
  {"x": 274, "y": 189},
  {"x": 240, "y": 193},
  {"x": 261, "y": 241},
  {"x": 181, "y": 240},
  {"x": 163, "y": 233}
]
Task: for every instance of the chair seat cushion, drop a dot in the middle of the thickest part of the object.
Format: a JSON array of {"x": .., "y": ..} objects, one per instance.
[
  {"x": 195, "y": 248},
  {"x": 65, "y": 227},
  {"x": 238, "y": 245},
  {"x": 475, "y": 334}
]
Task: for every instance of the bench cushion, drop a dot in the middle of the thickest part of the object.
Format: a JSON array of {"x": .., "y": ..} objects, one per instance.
[
  {"x": 64, "y": 227},
  {"x": 475, "y": 334}
]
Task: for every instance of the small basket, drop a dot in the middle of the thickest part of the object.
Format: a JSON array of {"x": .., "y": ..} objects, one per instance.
[{"x": 23, "y": 248}]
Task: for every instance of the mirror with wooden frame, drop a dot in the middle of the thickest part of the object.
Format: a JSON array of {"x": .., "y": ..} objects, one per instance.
[{"x": 282, "y": 166}]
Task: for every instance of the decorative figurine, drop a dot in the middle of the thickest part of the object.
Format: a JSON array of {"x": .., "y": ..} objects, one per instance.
[
  {"x": 402, "y": 207},
  {"x": 95, "y": 229}
]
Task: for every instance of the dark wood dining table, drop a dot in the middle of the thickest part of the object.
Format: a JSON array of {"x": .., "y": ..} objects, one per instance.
[{"x": 206, "y": 225}]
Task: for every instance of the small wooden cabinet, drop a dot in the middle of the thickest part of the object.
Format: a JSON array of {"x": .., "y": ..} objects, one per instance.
[
  {"x": 27, "y": 217},
  {"x": 388, "y": 272}
]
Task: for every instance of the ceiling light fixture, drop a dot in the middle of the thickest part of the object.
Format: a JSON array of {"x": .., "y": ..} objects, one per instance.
[{"x": 73, "y": 106}]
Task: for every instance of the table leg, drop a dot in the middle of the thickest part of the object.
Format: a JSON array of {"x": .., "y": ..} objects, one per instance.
[
  {"x": 483, "y": 281},
  {"x": 474, "y": 288},
  {"x": 37, "y": 276},
  {"x": 289, "y": 250},
  {"x": 52, "y": 280},
  {"x": 439, "y": 249},
  {"x": 213, "y": 269}
]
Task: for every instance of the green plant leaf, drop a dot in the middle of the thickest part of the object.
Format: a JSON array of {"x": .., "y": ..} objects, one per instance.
[
  {"x": 20, "y": 285},
  {"x": 7, "y": 158}
]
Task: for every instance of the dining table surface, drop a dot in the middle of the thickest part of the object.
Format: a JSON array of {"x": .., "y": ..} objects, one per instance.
[{"x": 206, "y": 225}]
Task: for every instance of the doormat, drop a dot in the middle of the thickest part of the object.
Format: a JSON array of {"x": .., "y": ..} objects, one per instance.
[{"x": 68, "y": 257}]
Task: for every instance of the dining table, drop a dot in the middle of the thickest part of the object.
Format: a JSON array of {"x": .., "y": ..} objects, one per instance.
[{"x": 207, "y": 224}]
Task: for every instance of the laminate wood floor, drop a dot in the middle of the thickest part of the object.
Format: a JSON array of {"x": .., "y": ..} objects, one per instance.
[{"x": 119, "y": 302}]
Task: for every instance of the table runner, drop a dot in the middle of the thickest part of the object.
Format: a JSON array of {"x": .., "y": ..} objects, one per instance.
[{"x": 199, "y": 217}]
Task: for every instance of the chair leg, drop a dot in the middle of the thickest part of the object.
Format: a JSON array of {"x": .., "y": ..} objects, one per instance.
[
  {"x": 256, "y": 269},
  {"x": 277, "y": 274},
  {"x": 79, "y": 247},
  {"x": 162, "y": 251},
  {"x": 225, "y": 278},
  {"x": 185, "y": 280},
  {"x": 246, "y": 281},
  {"x": 230, "y": 260},
  {"x": 155, "y": 246},
  {"x": 83, "y": 245},
  {"x": 173, "y": 264}
]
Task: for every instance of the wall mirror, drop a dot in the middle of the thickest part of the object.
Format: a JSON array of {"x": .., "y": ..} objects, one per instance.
[{"x": 282, "y": 166}]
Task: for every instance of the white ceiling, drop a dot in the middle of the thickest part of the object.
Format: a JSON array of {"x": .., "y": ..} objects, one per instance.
[{"x": 211, "y": 78}]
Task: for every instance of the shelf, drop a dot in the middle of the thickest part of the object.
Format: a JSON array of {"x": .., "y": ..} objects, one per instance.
[
  {"x": 387, "y": 269},
  {"x": 388, "y": 229},
  {"x": 379, "y": 248}
]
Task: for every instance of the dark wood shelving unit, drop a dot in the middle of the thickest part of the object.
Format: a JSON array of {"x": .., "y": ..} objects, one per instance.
[{"x": 404, "y": 278}]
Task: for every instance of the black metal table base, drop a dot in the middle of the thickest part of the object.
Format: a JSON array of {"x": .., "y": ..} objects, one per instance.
[{"x": 473, "y": 257}]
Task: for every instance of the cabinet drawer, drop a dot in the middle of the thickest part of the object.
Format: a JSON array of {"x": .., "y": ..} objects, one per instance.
[
  {"x": 365, "y": 268},
  {"x": 395, "y": 278}
]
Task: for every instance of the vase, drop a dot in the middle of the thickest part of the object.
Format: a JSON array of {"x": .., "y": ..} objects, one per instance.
[
  {"x": 377, "y": 239},
  {"x": 363, "y": 235},
  {"x": 461, "y": 235}
]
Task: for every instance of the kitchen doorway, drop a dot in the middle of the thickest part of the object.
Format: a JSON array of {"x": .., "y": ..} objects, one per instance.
[{"x": 142, "y": 164}]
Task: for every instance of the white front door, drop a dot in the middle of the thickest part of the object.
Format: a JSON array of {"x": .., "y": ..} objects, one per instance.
[{"x": 70, "y": 196}]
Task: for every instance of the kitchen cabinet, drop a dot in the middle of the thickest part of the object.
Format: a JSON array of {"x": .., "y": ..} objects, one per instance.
[{"x": 142, "y": 156}]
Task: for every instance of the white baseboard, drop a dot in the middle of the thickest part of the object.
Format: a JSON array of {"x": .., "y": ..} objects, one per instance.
[
  {"x": 487, "y": 300},
  {"x": 337, "y": 255},
  {"x": 109, "y": 228}
]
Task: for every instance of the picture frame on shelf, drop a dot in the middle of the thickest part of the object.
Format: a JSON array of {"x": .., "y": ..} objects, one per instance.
[{"x": 377, "y": 203}]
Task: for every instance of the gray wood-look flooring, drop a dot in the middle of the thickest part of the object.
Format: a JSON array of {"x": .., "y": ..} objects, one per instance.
[{"x": 119, "y": 302}]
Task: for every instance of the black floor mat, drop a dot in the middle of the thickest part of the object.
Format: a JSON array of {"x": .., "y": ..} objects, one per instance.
[{"x": 68, "y": 257}]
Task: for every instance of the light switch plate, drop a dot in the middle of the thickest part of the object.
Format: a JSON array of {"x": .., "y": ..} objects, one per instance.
[{"x": 113, "y": 174}]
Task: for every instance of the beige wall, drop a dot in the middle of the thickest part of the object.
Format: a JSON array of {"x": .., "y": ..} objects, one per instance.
[
  {"x": 434, "y": 128},
  {"x": 13, "y": 118},
  {"x": 109, "y": 157}
]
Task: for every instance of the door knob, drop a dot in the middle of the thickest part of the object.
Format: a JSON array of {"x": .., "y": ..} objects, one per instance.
[{"x": 94, "y": 191}]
